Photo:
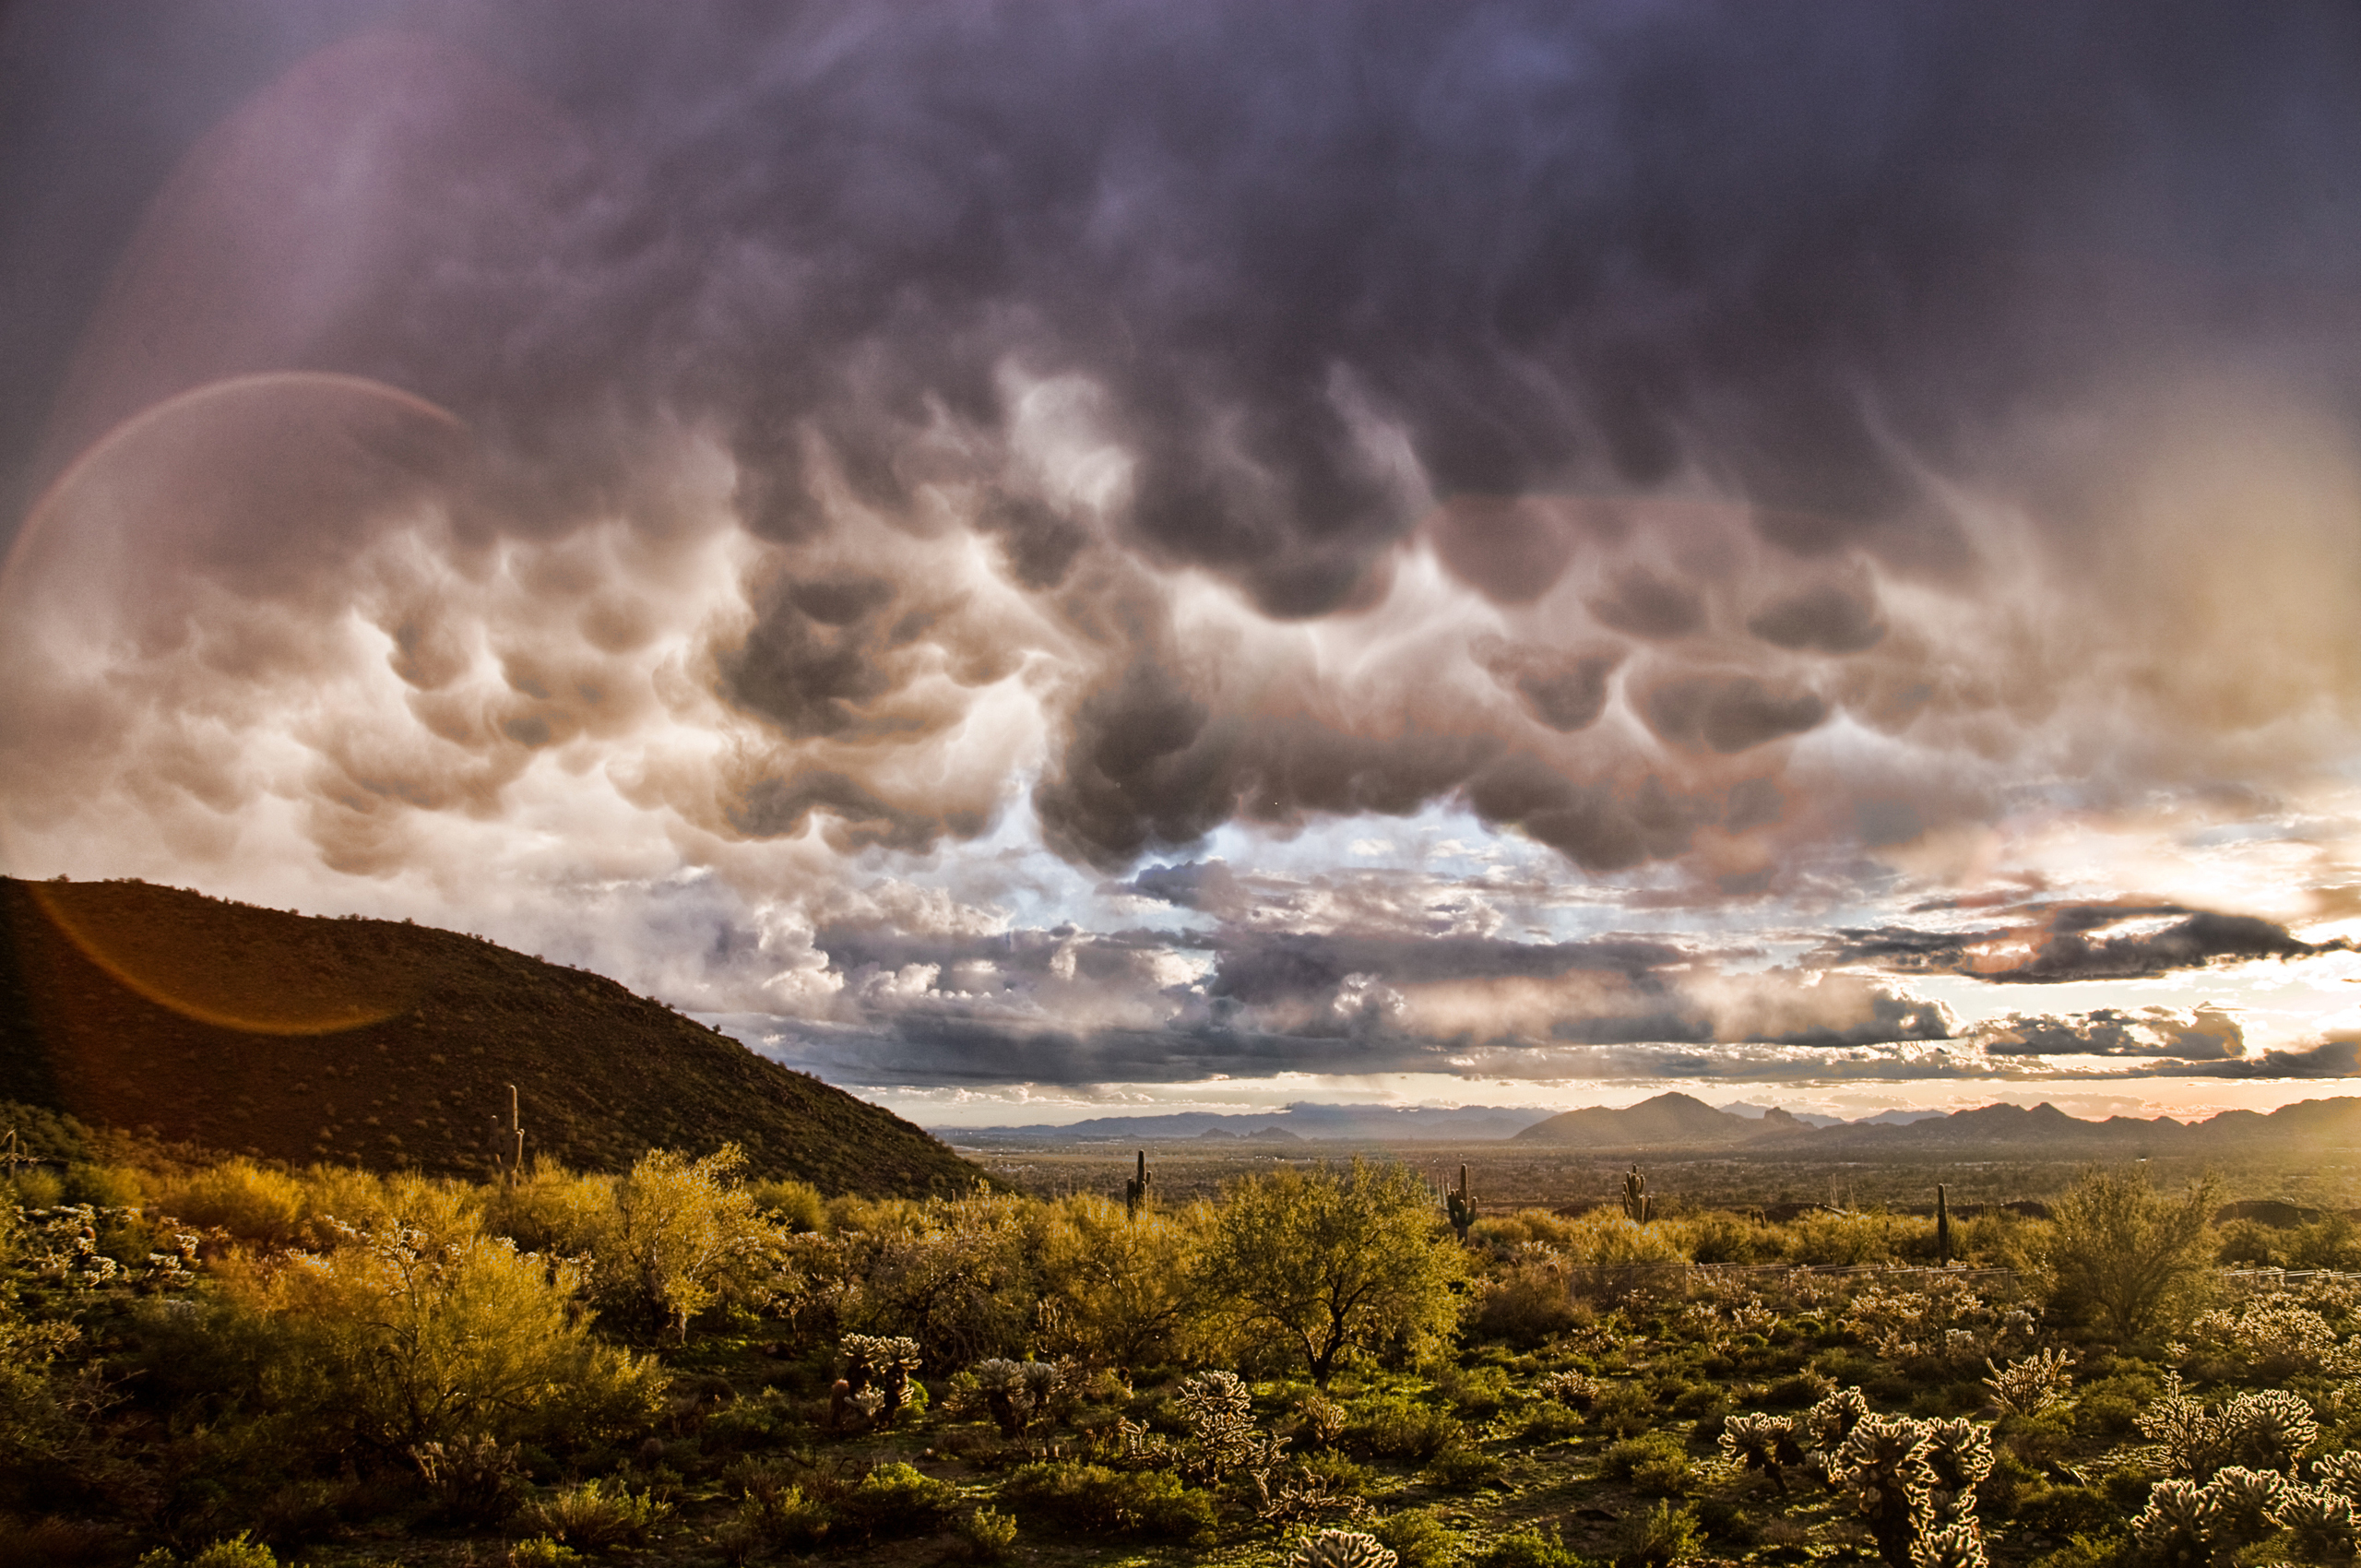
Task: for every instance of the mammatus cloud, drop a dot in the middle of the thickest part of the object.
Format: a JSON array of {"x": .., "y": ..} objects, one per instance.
[{"x": 755, "y": 461}]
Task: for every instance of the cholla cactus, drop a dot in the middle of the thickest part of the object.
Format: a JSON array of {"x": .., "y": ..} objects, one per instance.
[
  {"x": 2325, "y": 1524},
  {"x": 1958, "y": 1545},
  {"x": 1763, "y": 1443},
  {"x": 1340, "y": 1549},
  {"x": 1322, "y": 1418},
  {"x": 1826, "y": 1425},
  {"x": 1014, "y": 1390},
  {"x": 1220, "y": 1414},
  {"x": 2267, "y": 1429},
  {"x": 2338, "y": 1473},
  {"x": 1572, "y": 1389},
  {"x": 882, "y": 1362},
  {"x": 1753, "y": 1318},
  {"x": 2274, "y": 1334},
  {"x": 2176, "y": 1525},
  {"x": 2244, "y": 1503},
  {"x": 1958, "y": 1455},
  {"x": 2031, "y": 1384},
  {"x": 1883, "y": 1464}
]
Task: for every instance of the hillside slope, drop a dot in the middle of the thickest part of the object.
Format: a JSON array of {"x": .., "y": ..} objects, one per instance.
[
  {"x": 391, "y": 1045},
  {"x": 1669, "y": 1119}
]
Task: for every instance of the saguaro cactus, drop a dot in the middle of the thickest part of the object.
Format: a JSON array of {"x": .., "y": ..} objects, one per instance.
[
  {"x": 1942, "y": 1228},
  {"x": 1135, "y": 1190},
  {"x": 1635, "y": 1196},
  {"x": 508, "y": 1143},
  {"x": 1462, "y": 1207}
]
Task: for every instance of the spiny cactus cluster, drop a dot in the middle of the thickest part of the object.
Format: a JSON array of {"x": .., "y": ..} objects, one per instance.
[
  {"x": 1219, "y": 1412},
  {"x": 2031, "y": 1384},
  {"x": 1340, "y": 1549},
  {"x": 2265, "y": 1431},
  {"x": 1014, "y": 1390},
  {"x": 2274, "y": 1334},
  {"x": 1767, "y": 1444},
  {"x": 2189, "y": 1521},
  {"x": 1915, "y": 1480},
  {"x": 877, "y": 1375}
]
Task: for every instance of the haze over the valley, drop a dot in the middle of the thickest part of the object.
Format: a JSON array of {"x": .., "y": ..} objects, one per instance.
[{"x": 1048, "y": 561}]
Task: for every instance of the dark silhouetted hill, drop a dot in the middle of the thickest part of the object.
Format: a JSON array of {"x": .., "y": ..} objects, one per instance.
[
  {"x": 1677, "y": 1120},
  {"x": 384, "y": 1044}
]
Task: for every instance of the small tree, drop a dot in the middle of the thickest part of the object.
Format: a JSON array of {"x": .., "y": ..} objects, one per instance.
[
  {"x": 1333, "y": 1264},
  {"x": 2122, "y": 1254},
  {"x": 677, "y": 1233}
]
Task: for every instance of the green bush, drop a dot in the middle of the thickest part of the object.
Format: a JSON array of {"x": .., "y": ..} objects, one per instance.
[
  {"x": 1530, "y": 1548},
  {"x": 1549, "y": 1422},
  {"x": 597, "y": 1515},
  {"x": 1659, "y": 1538},
  {"x": 898, "y": 1500},
  {"x": 1623, "y": 1410},
  {"x": 1097, "y": 1501},
  {"x": 543, "y": 1552},
  {"x": 1656, "y": 1461},
  {"x": 1397, "y": 1428},
  {"x": 1461, "y": 1468},
  {"x": 1418, "y": 1539},
  {"x": 236, "y": 1552},
  {"x": 989, "y": 1535}
]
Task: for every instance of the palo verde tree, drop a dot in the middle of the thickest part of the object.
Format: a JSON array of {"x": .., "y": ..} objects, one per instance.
[
  {"x": 1334, "y": 1264},
  {"x": 2124, "y": 1256}
]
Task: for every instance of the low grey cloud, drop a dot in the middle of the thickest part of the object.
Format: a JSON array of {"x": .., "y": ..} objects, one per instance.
[
  {"x": 2206, "y": 1034},
  {"x": 2063, "y": 943}
]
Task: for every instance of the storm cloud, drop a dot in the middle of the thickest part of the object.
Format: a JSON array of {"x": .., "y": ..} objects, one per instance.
[{"x": 1768, "y": 464}]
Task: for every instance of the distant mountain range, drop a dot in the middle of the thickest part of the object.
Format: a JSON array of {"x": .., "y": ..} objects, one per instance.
[
  {"x": 1674, "y": 1121},
  {"x": 254, "y": 1031}
]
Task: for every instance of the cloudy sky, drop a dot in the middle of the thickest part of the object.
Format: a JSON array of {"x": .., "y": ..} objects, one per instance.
[{"x": 1040, "y": 558}]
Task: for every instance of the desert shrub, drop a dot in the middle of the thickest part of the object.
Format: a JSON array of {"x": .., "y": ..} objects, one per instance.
[
  {"x": 1623, "y": 1409},
  {"x": 1608, "y": 1257},
  {"x": 104, "y": 1186},
  {"x": 1116, "y": 1288},
  {"x": 57, "y": 1543},
  {"x": 597, "y": 1515},
  {"x": 236, "y": 1552},
  {"x": 1664, "y": 1535},
  {"x": 1333, "y": 1266},
  {"x": 773, "y": 1514},
  {"x": 955, "y": 1275},
  {"x": 2329, "y": 1242},
  {"x": 258, "y": 1207},
  {"x": 1529, "y": 1548},
  {"x": 543, "y": 1552},
  {"x": 1476, "y": 1392},
  {"x": 1095, "y": 1499},
  {"x": 2120, "y": 1255},
  {"x": 401, "y": 1339},
  {"x": 1822, "y": 1237},
  {"x": 474, "y": 1480},
  {"x": 1548, "y": 1421},
  {"x": 1720, "y": 1237},
  {"x": 1416, "y": 1539},
  {"x": 1461, "y": 1467},
  {"x": 1655, "y": 1462},
  {"x": 681, "y": 1234},
  {"x": 1525, "y": 1306},
  {"x": 797, "y": 1205},
  {"x": 32, "y": 1187},
  {"x": 989, "y": 1535},
  {"x": 1397, "y": 1428},
  {"x": 898, "y": 1500}
]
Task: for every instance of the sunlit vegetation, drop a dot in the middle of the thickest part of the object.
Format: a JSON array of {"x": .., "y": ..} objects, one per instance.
[{"x": 238, "y": 1363}]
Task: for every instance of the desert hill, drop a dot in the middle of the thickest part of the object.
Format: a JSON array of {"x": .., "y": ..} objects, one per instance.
[
  {"x": 1672, "y": 1118},
  {"x": 388, "y": 1045}
]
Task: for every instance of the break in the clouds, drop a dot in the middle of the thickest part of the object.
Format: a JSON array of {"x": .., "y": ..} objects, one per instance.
[{"x": 908, "y": 527}]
